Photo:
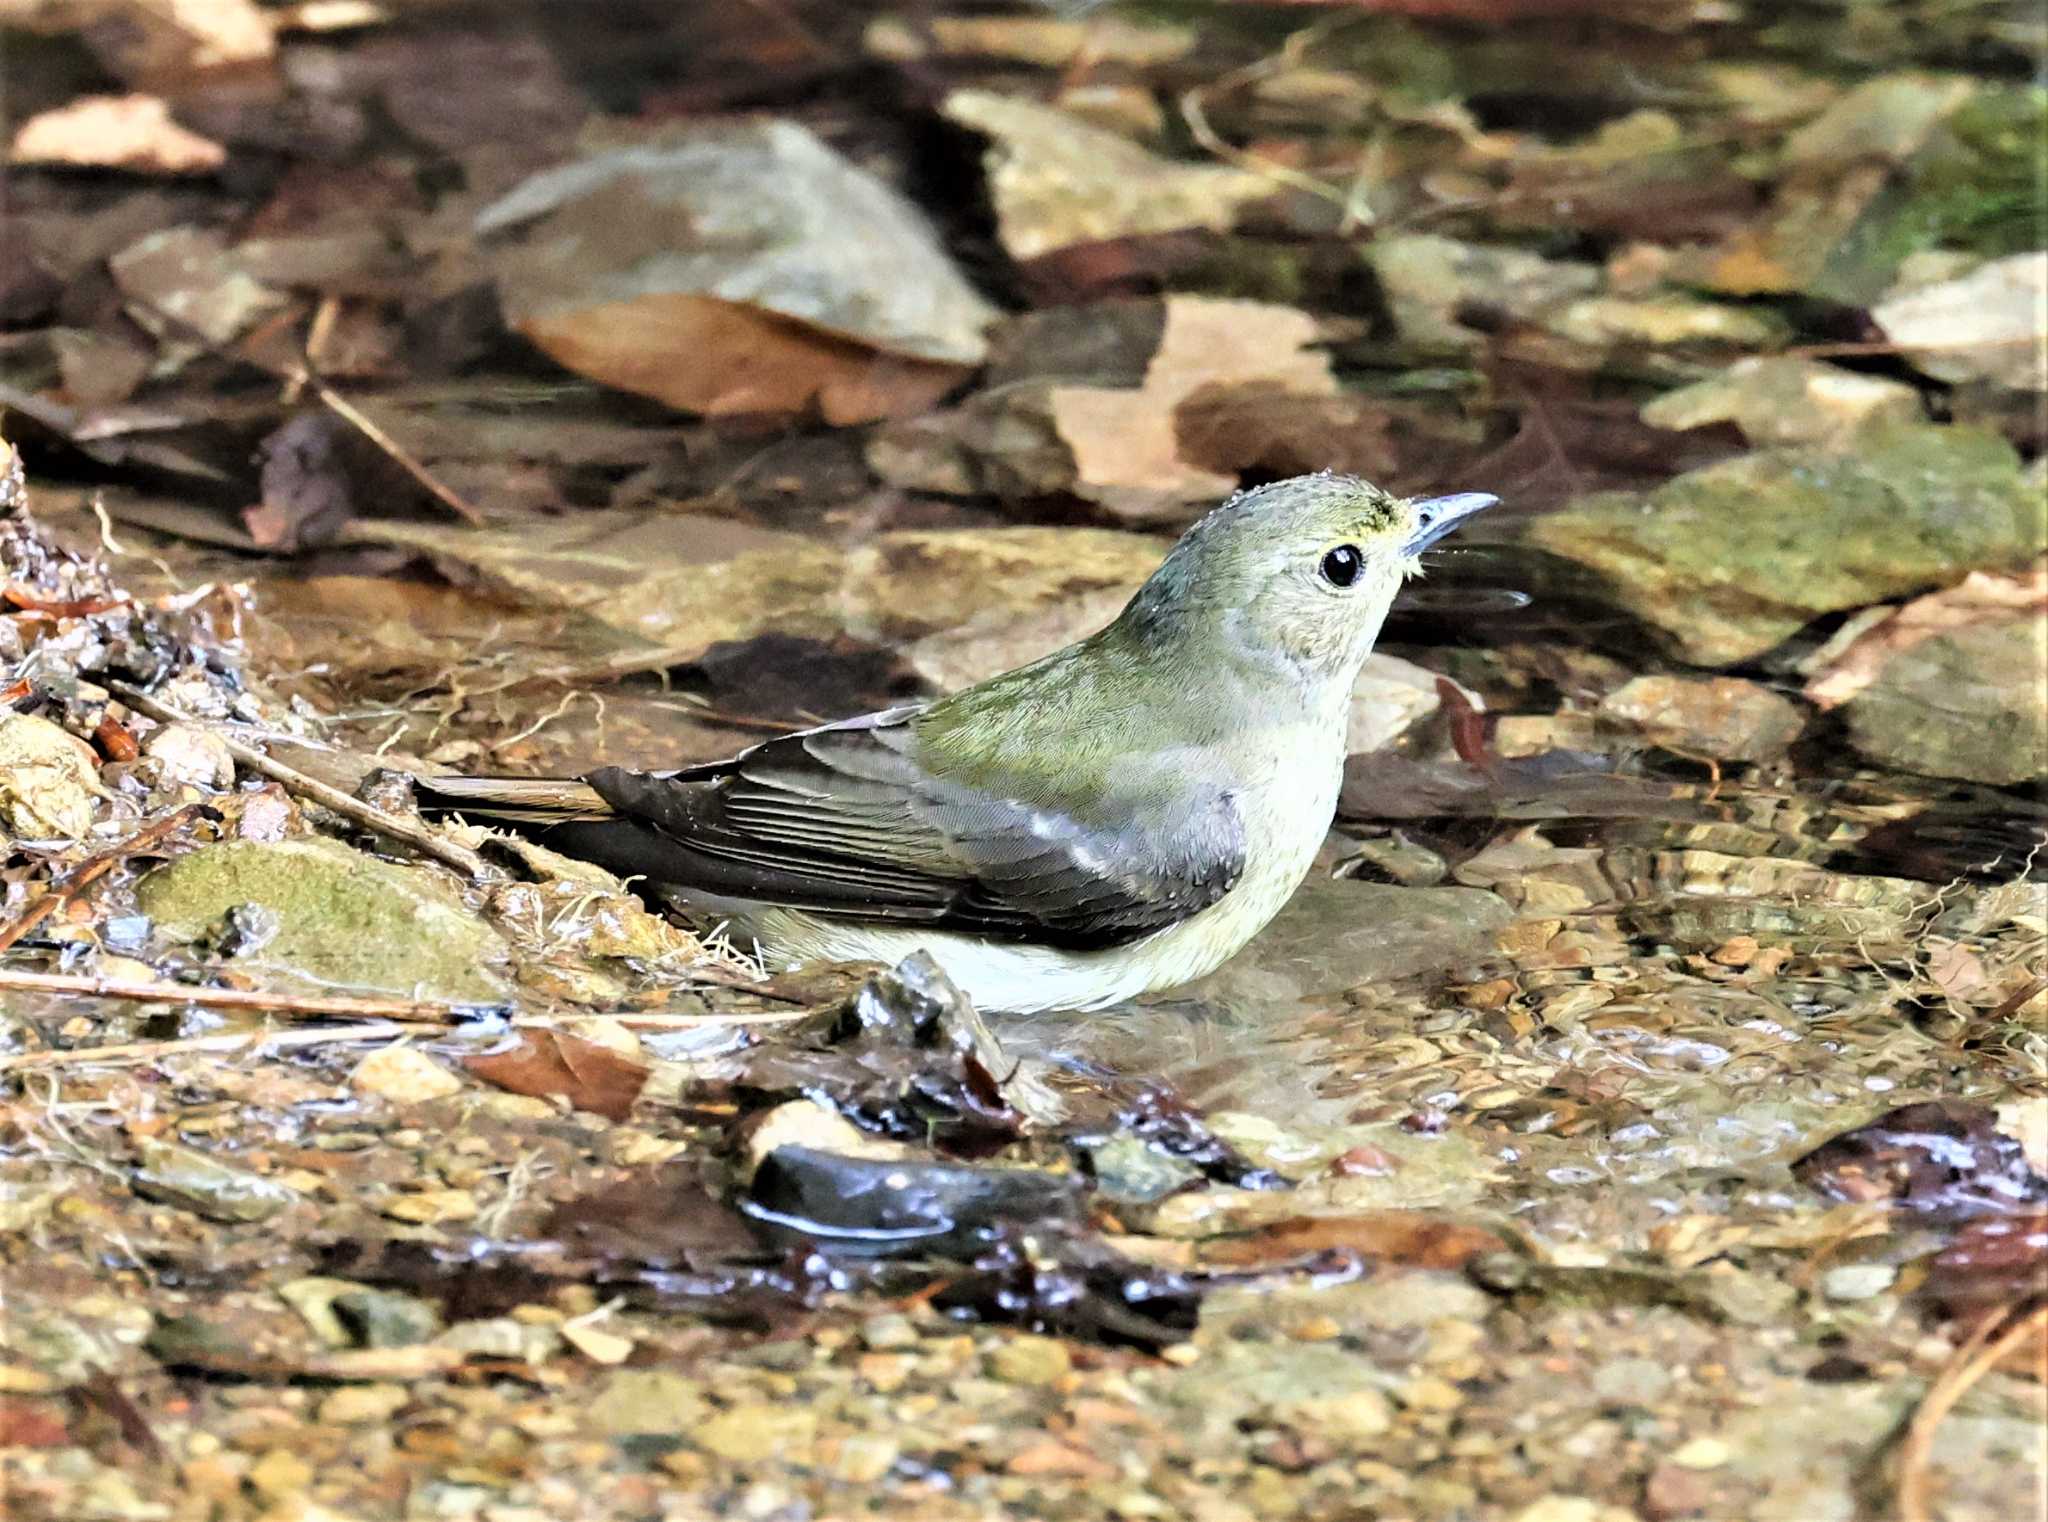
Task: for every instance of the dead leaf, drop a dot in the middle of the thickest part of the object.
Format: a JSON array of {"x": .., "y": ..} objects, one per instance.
[
  {"x": 663, "y": 346},
  {"x": 547, "y": 1063},
  {"x": 1127, "y": 444},
  {"x": 308, "y": 494},
  {"x": 1838, "y": 674},
  {"x": 1058, "y": 181},
  {"x": 163, "y": 41},
  {"x": 133, "y": 132}
]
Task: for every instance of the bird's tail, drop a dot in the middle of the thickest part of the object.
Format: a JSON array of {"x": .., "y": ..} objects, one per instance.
[{"x": 543, "y": 801}]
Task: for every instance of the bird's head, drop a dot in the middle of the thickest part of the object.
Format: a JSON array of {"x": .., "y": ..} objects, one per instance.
[{"x": 1298, "y": 574}]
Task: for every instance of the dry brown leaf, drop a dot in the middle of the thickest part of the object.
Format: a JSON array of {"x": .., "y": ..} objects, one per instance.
[
  {"x": 1981, "y": 597},
  {"x": 115, "y": 132},
  {"x": 546, "y": 1063},
  {"x": 162, "y": 40},
  {"x": 1127, "y": 445},
  {"x": 704, "y": 355}
]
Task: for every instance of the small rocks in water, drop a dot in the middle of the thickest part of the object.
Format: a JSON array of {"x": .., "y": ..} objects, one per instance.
[
  {"x": 190, "y": 755},
  {"x": 431, "y": 1207},
  {"x": 753, "y": 1434},
  {"x": 403, "y": 1075},
  {"x": 1029, "y": 1360},
  {"x": 1394, "y": 858},
  {"x": 207, "y": 1186},
  {"x": 361, "y": 1405},
  {"x": 49, "y": 780},
  {"x": 1722, "y": 717},
  {"x": 1857, "y": 1281},
  {"x": 636, "y": 1401},
  {"x": 1347, "y": 1419},
  {"x": 1132, "y": 1171}
]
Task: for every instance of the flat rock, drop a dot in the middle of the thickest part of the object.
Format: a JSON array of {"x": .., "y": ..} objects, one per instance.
[
  {"x": 1965, "y": 703},
  {"x": 1730, "y": 560},
  {"x": 1724, "y": 717},
  {"x": 344, "y": 919}
]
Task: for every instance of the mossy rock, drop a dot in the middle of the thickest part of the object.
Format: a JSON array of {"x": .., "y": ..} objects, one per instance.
[
  {"x": 1965, "y": 704},
  {"x": 1731, "y": 560},
  {"x": 345, "y": 920}
]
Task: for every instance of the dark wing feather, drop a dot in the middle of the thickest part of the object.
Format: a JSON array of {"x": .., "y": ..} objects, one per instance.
[{"x": 845, "y": 821}]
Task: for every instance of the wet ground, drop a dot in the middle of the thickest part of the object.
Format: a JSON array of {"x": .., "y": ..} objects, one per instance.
[{"x": 1642, "y": 1111}]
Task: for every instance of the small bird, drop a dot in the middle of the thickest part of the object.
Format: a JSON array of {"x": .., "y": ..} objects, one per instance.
[{"x": 1118, "y": 817}]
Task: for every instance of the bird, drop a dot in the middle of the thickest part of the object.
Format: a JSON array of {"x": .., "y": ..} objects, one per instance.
[{"x": 1114, "y": 819}]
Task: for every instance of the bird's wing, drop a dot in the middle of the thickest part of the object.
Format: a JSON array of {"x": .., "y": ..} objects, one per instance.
[{"x": 847, "y": 821}]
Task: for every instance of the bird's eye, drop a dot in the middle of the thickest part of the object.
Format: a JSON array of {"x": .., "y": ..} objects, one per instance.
[{"x": 1342, "y": 565}]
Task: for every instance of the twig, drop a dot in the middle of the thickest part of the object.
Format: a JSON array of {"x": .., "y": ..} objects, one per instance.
[
  {"x": 421, "y": 1011},
  {"x": 1981, "y": 1352},
  {"x": 418, "y": 836},
  {"x": 89, "y": 871},
  {"x": 149, "y": 1051},
  {"x": 343, "y": 408}
]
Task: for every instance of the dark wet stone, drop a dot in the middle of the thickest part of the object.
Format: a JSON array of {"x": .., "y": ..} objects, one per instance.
[{"x": 1943, "y": 1157}]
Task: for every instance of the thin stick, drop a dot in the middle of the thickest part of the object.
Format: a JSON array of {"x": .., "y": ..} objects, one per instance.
[
  {"x": 418, "y": 836},
  {"x": 422, "y": 1011},
  {"x": 349, "y": 412},
  {"x": 149, "y": 1051},
  {"x": 89, "y": 871},
  {"x": 1979, "y": 1354}
]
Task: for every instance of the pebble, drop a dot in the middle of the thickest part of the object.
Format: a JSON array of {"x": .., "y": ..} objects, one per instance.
[
  {"x": 1857, "y": 1281},
  {"x": 354, "y": 1405},
  {"x": 882, "y": 1334},
  {"x": 403, "y": 1075},
  {"x": 1342, "y": 1418},
  {"x": 431, "y": 1207},
  {"x": 864, "y": 1457},
  {"x": 1030, "y": 1360},
  {"x": 637, "y": 1401},
  {"x": 1702, "y": 1453},
  {"x": 1631, "y": 1381},
  {"x": 753, "y": 1433}
]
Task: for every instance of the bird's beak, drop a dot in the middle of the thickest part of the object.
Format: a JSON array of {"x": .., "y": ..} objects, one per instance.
[{"x": 1437, "y": 516}]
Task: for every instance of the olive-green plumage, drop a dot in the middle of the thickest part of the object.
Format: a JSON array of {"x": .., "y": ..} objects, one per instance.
[{"x": 1119, "y": 816}]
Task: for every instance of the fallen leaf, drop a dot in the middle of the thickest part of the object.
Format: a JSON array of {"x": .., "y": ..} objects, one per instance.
[
  {"x": 1057, "y": 180},
  {"x": 1127, "y": 444},
  {"x": 547, "y": 1063},
  {"x": 1837, "y": 673},
  {"x": 133, "y": 132}
]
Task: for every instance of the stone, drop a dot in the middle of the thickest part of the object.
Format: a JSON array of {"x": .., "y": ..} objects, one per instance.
[
  {"x": 345, "y": 919},
  {"x": 1129, "y": 1169},
  {"x": 1987, "y": 325},
  {"x": 361, "y": 1405},
  {"x": 1730, "y": 560},
  {"x": 1965, "y": 703},
  {"x": 49, "y": 780},
  {"x": 754, "y": 1434},
  {"x": 1722, "y": 717},
  {"x": 431, "y": 1207},
  {"x": 1776, "y": 400},
  {"x": 1428, "y": 280},
  {"x": 1346, "y": 1420},
  {"x": 633, "y": 1402},
  {"x": 206, "y": 1186},
  {"x": 1631, "y": 1381},
  {"x": 1028, "y": 1360},
  {"x": 191, "y": 755},
  {"x": 1858, "y": 1281},
  {"x": 736, "y": 266},
  {"x": 403, "y": 1075}
]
